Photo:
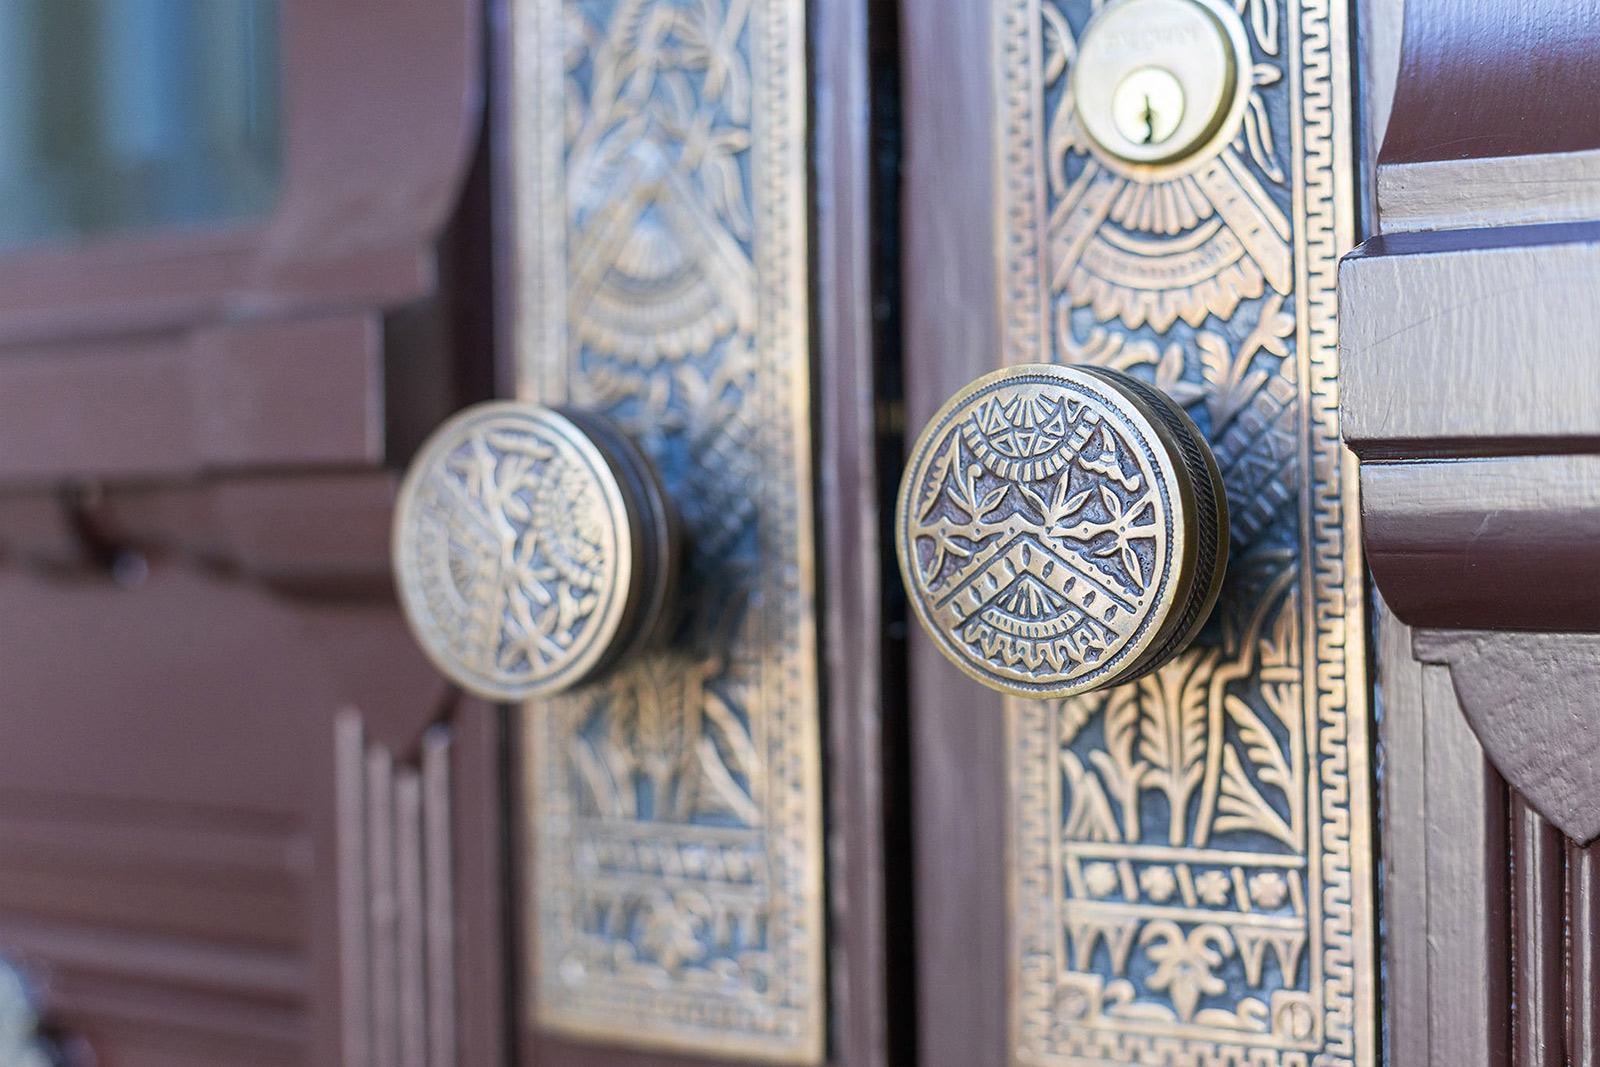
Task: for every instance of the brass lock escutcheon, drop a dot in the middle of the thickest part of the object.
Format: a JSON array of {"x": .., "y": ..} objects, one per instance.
[
  {"x": 1159, "y": 84},
  {"x": 1061, "y": 529},
  {"x": 533, "y": 549}
]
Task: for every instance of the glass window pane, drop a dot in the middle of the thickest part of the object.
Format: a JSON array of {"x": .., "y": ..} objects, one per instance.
[{"x": 119, "y": 115}]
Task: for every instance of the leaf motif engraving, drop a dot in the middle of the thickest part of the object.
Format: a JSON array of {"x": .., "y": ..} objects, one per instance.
[
  {"x": 1060, "y": 47},
  {"x": 1172, "y": 732},
  {"x": 1104, "y": 348},
  {"x": 1061, "y": 51},
  {"x": 1089, "y": 816},
  {"x": 1258, "y": 138},
  {"x": 1231, "y": 385},
  {"x": 1263, "y": 22},
  {"x": 992, "y": 501},
  {"x": 1117, "y": 762},
  {"x": 934, "y": 487},
  {"x": 1232, "y": 380},
  {"x": 726, "y": 750},
  {"x": 1073, "y": 714},
  {"x": 1241, "y": 805},
  {"x": 1170, "y": 380}
]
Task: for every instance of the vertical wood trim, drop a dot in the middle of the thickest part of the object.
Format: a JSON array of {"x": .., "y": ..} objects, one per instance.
[
  {"x": 1538, "y": 903},
  {"x": 1381, "y": 23},
  {"x": 382, "y": 909},
  {"x": 413, "y": 1018},
  {"x": 1468, "y": 916},
  {"x": 350, "y": 775},
  {"x": 438, "y": 862},
  {"x": 870, "y": 1011},
  {"x": 483, "y": 926},
  {"x": 952, "y": 335},
  {"x": 1583, "y": 910},
  {"x": 397, "y": 899},
  {"x": 1405, "y": 844}
]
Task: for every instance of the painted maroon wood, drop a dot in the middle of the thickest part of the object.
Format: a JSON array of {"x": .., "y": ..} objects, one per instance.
[
  {"x": 957, "y": 729},
  {"x": 304, "y": 392},
  {"x": 379, "y": 115},
  {"x": 126, "y": 355},
  {"x": 1467, "y": 402},
  {"x": 196, "y": 430},
  {"x": 1482, "y": 78},
  {"x": 168, "y": 784}
]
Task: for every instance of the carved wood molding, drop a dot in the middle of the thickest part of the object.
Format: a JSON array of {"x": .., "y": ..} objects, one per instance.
[
  {"x": 397, "y": 951},
  {"x": 380, "y": 102},
  {"x": 1490, "y": 97},
  {"x": 1471, "y": 396},
  {"x": 1532, "y": 699},
  {"x": 205, "y": 868},
  {"x": 192, "y": 751},
  {"x": 165, "y": 354}
]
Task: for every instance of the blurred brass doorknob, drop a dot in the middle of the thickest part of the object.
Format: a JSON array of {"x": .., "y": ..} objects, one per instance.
[
  {"x": 533, "y": 549},
  {"x": 1061, "y": 529}
]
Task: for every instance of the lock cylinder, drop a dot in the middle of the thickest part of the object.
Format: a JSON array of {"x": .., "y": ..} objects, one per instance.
[{"x": 1158, "y": 82}]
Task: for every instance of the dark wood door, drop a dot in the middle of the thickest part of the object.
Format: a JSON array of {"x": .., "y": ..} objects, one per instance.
[
  {"x": 1178, "y": 870},
  {"x": 244, "y": 820},
  {"x": 249, "y": 812}
]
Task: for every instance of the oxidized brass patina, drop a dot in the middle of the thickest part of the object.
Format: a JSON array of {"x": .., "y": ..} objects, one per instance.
[
  {"x": 1191, "y": 859},
  {"x": 532, "y": 549},
  {"x": 1060, "y": 529},
  {"x": 675, "y": 809}
]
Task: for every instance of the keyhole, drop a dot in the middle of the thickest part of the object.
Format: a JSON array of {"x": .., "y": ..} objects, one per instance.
[{"x": 1148, "y": 107}]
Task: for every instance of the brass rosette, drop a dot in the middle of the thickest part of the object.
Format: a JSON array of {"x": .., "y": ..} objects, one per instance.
[
  {"x": 1061, "y": 529},
  {"x": 533, "y": 548}
]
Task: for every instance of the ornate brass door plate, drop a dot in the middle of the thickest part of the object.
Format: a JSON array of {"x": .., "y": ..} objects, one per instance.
[
  {"x": 1191, "y": 866},
  {"x": 674, "y": 810}
]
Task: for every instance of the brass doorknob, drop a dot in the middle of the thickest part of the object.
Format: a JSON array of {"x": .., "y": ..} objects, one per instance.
[
  {"x": 1061, "y": 529},
  {"x": 533, "y": 548}
]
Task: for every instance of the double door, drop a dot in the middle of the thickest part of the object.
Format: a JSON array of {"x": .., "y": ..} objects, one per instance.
[{"x": 832, "y": 532}]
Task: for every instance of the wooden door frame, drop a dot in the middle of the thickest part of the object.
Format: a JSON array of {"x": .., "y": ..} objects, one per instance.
[{"x": 1480, "y": 519}]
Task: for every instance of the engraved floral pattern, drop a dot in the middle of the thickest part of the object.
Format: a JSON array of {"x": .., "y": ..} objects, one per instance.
[
  {"x": 509, "y": 548},
  {"x": 1037, "y": 531}
]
